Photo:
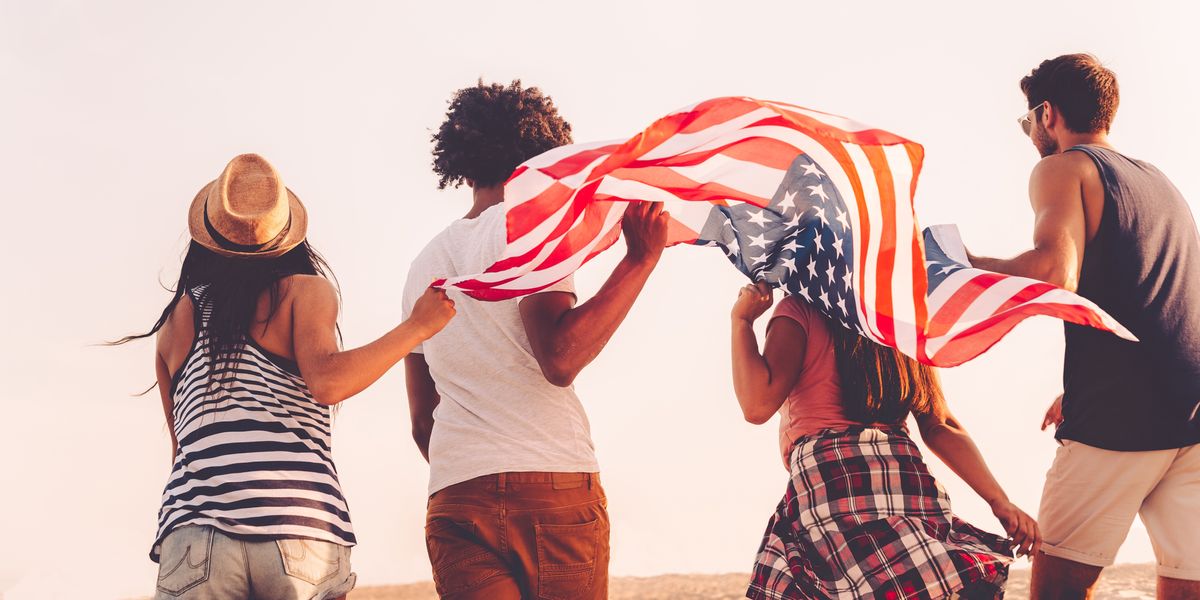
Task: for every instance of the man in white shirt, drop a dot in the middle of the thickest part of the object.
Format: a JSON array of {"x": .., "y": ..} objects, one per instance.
[{"x": 516, "y": 508}]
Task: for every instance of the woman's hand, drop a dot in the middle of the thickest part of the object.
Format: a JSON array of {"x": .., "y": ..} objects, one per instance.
[
  {"x": 1019, "y": 526},
  {"x": 752, "y": 301},
  {"x": 431, "y": 312}
]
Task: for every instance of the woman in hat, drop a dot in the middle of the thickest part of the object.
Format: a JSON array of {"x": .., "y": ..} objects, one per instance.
[
  {"x": 863, "y": 517},
  {"x": 249, "y": 367}
]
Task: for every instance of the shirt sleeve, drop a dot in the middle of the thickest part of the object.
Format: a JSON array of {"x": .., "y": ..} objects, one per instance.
[
  {"x": 566, "y": 285},
  {"x": 794, "y": 309}
]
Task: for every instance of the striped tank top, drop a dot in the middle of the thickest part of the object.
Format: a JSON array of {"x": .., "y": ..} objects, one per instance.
[{"x": 254, "y": 455}]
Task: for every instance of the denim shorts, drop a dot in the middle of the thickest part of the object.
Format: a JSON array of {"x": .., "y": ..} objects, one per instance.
[{"x": 199, "y": 562}]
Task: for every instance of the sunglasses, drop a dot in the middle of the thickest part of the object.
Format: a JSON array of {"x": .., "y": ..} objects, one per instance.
[{"x": 1026, "y": 120}]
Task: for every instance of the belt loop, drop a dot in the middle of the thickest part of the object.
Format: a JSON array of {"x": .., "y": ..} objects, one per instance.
[
  {"x": 589, "y": 479},
  {"x": 501, "y": 482}
]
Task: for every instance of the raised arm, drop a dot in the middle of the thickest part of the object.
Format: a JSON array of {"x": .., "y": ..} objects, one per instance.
[
  {"x": 761, "y": 381},
  {"x": 334, "y": 375},
  {"x": 1059, "y": 229},
  {"x": 947, "y": 439},
  {"x": 565, "y": 338}
]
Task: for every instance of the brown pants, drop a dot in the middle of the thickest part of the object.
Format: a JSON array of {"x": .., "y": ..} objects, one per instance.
[{"x": 520, "y": 535}]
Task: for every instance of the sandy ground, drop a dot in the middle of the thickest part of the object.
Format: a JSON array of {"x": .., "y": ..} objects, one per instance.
[{"x": 1122, "y": 582}]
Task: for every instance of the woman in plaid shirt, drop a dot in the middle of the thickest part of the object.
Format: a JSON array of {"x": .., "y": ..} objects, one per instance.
[{"x": 862, "y": 516}]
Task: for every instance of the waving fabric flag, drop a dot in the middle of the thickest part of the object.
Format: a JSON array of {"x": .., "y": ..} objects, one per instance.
[{"x": 817, "y": 204}]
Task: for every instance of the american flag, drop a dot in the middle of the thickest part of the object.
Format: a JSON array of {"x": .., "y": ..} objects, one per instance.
[{"x": 817, "y": 204}]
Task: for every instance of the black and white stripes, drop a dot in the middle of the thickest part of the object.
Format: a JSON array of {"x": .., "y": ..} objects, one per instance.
[{"x": 255, "y": 459}]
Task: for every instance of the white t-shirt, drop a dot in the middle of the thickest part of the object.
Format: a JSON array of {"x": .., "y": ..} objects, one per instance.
[{"x": 497, "y": 412}]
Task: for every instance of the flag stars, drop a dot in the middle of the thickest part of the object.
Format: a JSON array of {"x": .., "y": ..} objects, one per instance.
[
  {"x": 812, "y": 169},
  {"x": 829, "y": 273},
  {"x": 824, "y": 298},
  {"x": 820, "y": 213},
  {"x": 847, "y": 278},
  {"x": 759, "y": 240},
  {"x": 818, "y": 190},
  {"x": 837, "y": 245},
  {"x": 842, "y": 305},
  {"x": 841, "y": 218},
  {"x": 804, "y": 294},
  {"x": 812, "y": 268},
  {"x": 788, "y": 201},
  {"x": 789, "y": 264},
  {"x": 758, "y": 218},
  {"x": 732, "y": 247}
]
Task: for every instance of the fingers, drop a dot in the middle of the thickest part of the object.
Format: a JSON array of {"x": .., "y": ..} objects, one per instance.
[
  {"x": 763, "y": 288},
  {"x": 1025, "y": 536}
]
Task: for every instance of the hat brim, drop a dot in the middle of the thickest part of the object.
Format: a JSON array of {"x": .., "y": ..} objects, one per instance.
[{"x": 296, "y": 233}]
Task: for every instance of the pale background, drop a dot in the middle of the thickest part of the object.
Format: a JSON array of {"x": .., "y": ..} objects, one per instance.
[{"x": 113, "y": 114}]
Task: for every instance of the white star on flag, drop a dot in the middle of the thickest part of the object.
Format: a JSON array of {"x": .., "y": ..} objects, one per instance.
[
  {"x": 788, "y": 201},
  {"x": 841, "y": 218},
  {"x": 818, "y": 190}
]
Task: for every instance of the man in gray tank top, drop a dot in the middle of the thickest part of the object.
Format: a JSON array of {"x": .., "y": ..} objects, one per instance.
[{"x": 1116, "y": 231}]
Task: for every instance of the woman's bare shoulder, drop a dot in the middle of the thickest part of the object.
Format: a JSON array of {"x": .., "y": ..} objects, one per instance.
[{"x": 307, "y": 289}]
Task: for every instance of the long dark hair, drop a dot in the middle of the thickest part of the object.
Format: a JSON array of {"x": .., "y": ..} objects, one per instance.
[
  {"x": 879, "y": 383},
  {"x": 232, "y": 287}
]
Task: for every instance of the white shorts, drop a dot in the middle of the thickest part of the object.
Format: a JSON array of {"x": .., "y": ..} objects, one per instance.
[{"x": 1092, "y": 495}]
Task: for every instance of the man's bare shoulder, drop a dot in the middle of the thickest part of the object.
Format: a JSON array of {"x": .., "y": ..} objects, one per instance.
[{"x": 1065, "y": 165}]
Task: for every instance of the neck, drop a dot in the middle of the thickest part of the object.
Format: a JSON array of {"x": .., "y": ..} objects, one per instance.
[
  {"x": 1070, "y": 139},
  {"x": 485, "y": 198}
]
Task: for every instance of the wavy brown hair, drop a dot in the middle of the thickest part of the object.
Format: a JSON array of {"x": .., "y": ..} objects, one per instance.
[
  {"x": 492, "y": 128},
  {"x": 879, "y": 383}
]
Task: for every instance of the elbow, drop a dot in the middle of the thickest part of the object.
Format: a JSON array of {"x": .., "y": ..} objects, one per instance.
[
  {"x": 757, "y": 413},
  {"x": 559, "y": 376},
  {"x": 756, "y": 417},
  {"x": 556, "y": 370},
  {"x": 1062, "y": 278},
  {"x": 325, "y": 394}
]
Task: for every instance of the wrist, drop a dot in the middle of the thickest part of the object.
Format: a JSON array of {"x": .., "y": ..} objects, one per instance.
[
  {"x": 415, "y": 329},
  {"x": 999, "y": 500},
  {"x": 643, "y": 259}
]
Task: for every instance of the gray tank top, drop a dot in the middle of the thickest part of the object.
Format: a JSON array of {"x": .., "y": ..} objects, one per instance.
[{"x": 1143, "y": 268}]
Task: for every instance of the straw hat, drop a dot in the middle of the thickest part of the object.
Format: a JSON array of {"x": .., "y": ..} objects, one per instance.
[{"x": 248, "y": 212}]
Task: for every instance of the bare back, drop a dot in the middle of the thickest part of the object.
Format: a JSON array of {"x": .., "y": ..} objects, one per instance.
[{"x": 272, "y": 331}]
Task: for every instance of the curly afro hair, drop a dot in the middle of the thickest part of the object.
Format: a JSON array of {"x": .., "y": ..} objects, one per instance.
[{"x": 492, "y": 128}]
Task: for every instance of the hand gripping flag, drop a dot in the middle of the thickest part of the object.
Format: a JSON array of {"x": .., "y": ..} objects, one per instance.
[{"x": 819, "y": 205}]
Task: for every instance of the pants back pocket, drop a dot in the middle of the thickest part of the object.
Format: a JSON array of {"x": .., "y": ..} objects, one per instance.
[{"x": 186, "y": 559}]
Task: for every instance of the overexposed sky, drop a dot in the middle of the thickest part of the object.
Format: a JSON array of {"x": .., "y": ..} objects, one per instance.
[{"x": 114, "y": 114}]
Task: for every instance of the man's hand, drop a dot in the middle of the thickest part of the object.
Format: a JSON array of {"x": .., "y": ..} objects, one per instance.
[
  {"x": 1053, "y": 414},
  {"x": 645, "y": 229}
]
